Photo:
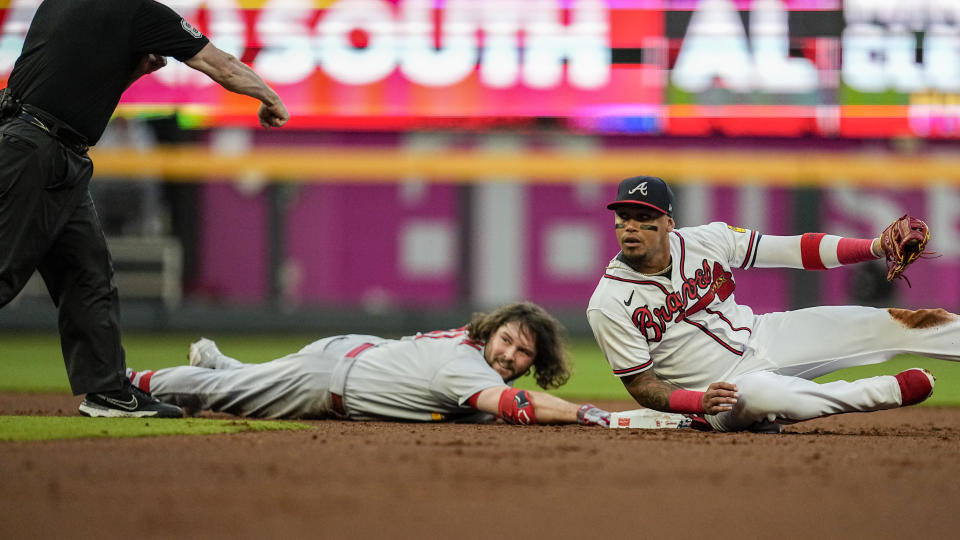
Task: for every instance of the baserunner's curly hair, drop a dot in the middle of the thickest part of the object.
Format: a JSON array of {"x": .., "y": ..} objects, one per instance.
[{"x": 551, "y": 365}]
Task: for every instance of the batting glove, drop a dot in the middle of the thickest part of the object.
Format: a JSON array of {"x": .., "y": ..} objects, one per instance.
[{"x": 588, "y": 415}]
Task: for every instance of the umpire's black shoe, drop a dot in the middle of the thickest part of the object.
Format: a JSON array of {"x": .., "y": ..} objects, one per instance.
[{"x": 130, "y": 403}]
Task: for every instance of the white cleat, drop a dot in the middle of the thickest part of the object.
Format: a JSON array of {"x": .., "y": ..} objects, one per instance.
[{"x": 203, "y": 353}]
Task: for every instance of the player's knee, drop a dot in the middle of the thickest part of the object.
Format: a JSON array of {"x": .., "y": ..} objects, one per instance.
[{"x": 760, "y": 397}]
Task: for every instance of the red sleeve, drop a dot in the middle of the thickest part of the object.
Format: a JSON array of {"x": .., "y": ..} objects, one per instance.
[{"x": 472, "y": 400}]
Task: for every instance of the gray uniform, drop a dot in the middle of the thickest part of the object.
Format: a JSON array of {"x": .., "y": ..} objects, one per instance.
[{"x": 427, "y": 377}]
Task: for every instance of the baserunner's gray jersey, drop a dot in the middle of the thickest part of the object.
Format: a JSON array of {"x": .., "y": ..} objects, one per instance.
[{"x": 427, "y": 377}]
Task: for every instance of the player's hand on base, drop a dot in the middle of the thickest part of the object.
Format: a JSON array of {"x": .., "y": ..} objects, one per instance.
[
  {"x": 719, "y": 397},
  {"x": 588, "y": 415}
]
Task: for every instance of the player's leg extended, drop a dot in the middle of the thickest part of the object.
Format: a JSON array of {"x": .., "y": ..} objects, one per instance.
[
  {"x": 768, "y": 397},
  {"x": 296, "y": 386},
  {"x": 812, "y": 342},
  {"x": 205, "y": 353}
]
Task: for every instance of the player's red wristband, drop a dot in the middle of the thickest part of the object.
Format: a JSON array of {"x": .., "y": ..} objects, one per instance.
[
  {"x": 849, "y": 251},
  {"x": 472, "y": 400},
  {"x": 810, "y": 251},
  {"x": 686, "y": 401},
  {"x": 854, "y": 250}
]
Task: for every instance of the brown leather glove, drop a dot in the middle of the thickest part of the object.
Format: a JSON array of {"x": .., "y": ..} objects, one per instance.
[{"x": 903, "y": 241}]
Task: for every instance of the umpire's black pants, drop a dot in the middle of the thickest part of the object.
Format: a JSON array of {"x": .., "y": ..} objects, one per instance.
[{"x": 48, "y": 223}]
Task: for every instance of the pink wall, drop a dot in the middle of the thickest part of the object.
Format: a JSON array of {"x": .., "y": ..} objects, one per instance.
[{"x": 347, "y": 244}]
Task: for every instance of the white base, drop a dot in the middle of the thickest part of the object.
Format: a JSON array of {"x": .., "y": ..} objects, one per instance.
[{"x": 648, "y": 419}]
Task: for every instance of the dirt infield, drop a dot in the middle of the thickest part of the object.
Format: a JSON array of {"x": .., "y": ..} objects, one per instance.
[{"x": 894, "y": 474}]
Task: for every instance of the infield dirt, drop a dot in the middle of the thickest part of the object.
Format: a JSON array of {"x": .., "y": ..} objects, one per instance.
[{"x": 892, "y": 474}]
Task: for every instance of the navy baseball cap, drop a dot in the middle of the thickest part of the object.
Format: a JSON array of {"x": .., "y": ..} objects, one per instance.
[{"x": 646, "y": 191}]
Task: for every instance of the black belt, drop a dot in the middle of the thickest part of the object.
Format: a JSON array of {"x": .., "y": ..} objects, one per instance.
[
  {"x": 56, "y": 129},
  {"x": 336, "y": 400}
]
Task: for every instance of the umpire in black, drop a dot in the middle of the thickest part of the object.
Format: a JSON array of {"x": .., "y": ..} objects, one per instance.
[{"x": 78, "y": 58}]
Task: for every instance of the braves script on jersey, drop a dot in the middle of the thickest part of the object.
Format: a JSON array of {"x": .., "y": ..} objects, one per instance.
[{"x": 688, "y": 324}]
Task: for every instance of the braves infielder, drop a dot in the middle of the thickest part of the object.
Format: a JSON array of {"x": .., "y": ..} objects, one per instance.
[
  {"x": 461, "y": 374},
  {"x": 665, "y": 317}
]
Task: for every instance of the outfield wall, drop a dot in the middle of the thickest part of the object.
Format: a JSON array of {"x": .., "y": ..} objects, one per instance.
[{"x": 392, "y": 230}]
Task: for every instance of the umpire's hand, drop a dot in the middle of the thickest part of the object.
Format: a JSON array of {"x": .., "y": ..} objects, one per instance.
[{"x": 273, "y": 115}]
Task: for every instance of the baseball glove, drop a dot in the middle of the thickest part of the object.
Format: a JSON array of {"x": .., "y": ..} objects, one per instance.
[{"x": 903, "y": 242}]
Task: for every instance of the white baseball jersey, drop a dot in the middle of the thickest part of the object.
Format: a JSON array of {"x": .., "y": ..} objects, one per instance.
[
  {"x": 689, "y": 329},
  {"x": 426, "y": 377}
]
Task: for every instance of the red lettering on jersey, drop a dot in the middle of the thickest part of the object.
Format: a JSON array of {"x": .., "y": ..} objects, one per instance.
[
  {"x": 675, "y": 303},
  {"x": 703, "y": 276},
  {"x": 716, "y": 283},
  {"x": 690, "y": 290},
  {"x": 643, "y": 320},
  {"x": 663, "y": 315}
]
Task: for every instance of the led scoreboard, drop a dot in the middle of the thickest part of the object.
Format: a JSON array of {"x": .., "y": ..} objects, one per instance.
[{"x": 854, "y": 68}]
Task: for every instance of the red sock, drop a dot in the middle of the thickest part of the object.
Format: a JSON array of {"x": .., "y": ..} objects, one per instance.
[
  {"x": 141, "y": 379},
  {"x": 915, "y": 386}
]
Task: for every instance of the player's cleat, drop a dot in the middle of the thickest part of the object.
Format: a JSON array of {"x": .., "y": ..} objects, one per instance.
[
  {"x": 131, "y": 403},
  {"x": 916, "y": 385},
  {"x": 699, "y": 423},
  {"x": 203, "y": 353},
  {"x": 765, "y": 426}
]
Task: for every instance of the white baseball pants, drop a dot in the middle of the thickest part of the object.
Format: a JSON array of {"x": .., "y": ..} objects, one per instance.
[
  {"x": 804, "y": 344},
  {"x": 295, "y": 386}
]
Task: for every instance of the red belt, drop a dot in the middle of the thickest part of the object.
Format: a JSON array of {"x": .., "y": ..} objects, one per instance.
[{"x": 336, "y": 400}]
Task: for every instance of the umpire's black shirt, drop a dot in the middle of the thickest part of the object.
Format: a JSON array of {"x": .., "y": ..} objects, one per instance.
[{"x": 79, "y": 55}]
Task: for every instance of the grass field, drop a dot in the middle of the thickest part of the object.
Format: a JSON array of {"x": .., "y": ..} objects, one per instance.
[
  {"x": 40, "y": 428},
  {"x": 33, "y": 363}
]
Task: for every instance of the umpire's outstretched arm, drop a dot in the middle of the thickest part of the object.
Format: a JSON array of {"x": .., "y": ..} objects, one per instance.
[{"x": 237, "y": 77}]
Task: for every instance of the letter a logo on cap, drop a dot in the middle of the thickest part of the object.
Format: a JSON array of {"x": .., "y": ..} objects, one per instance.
[{"x": 648, "y": 191}]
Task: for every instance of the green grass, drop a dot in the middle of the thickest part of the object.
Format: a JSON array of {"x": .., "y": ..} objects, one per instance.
[
  {"x": 33, "y": 363},
  {"x": 38, "y": 428}
]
